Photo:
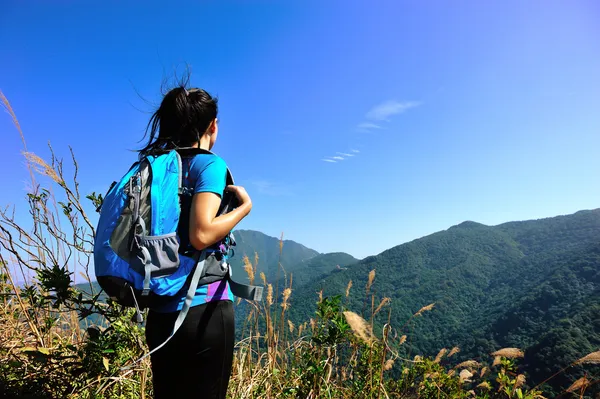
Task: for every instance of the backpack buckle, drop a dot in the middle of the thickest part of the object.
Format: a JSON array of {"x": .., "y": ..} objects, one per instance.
[{"x": 185, "y": 191}]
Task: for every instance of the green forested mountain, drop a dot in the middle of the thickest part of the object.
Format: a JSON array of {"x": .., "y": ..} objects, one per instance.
[
  {"x": 533, "y": 285},
  {"x": 251, "y": 242},
  {"x": 319, "y": 267}
]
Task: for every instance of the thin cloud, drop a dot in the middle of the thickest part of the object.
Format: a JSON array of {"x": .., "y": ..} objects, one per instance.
[
  {"x": 341, "y": 156},
  {"x": 385, "y": 110},
  {"x": 367, "y": 127}
]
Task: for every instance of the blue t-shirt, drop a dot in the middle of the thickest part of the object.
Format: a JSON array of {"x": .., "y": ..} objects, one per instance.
[{"x": 203, "y": 173}]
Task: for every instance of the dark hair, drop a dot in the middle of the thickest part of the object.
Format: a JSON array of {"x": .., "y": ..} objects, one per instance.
[{"x": 180, "y": 121}]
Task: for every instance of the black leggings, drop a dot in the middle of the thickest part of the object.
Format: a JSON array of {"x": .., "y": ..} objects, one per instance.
[{"x": 196, "y": 362}]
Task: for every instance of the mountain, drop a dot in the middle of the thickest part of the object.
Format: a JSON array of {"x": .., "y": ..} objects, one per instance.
[
  {"x": 532, "y": 284},
  {"x": 318, "y": 267},
  {"x": 250, "y": 242}
]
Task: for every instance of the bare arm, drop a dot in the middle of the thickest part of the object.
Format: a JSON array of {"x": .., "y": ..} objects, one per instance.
[{"x": 205, "y": 227}]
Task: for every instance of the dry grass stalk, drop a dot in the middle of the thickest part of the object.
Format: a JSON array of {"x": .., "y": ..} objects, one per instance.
[
  {"x": 348, "y": 288},
  {"x": 402, "y": 340},
  {"x": 579, "y": 385},
  {"x": 454, "y": 351},
  {"x": 483, "y": 371},
  {"x": 384, "y": 302},
  {"x": 465, "y": 376},
  {"x": 248, "y": 269},
  {"x": 300, "y": 329},
  {"x": 451, "y": 373},
  {"x": 263, "y": 278},
  {"x": 484, "y": 385},
  {"x": 371, "y": 279},
  {"x": 286, "y": 295},
  {"x": 291, "y": 326},
  {"x": 471, "y": 364},
  {"x": 440, "y": 355},
  {"x": 269, "y": 328},
  {"x": 520, "y": 381},
  {"x": 12, "y": 114},
  {"x": 417, "y": 359},
  {"x": 388, "y": 364},
  {"x": 320, "y": 295},
  {"x": 281, "y": 243},
  {"x": 269, "y": 294},
  {"x": 359, "y": 326},
  {"x": 497, "y": 361},
  {"x": 509, "y": 353},
  {"x": 42, "y": 167},
  {"x": 592, "y": 358},
  {"x": 425, "y": 309}
]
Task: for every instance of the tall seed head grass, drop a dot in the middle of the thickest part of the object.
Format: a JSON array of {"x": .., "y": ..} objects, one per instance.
[
  {"x": 359, "y": 326},
  {"x": 42, "y": 167},
  {"x": 248, "y": 269},
  {"x": 454, "y": 351},
  {"x": 286, "y": 295},
  {"x": 579, "y": 385},
  {"x": 465, "y": 376},
  {"x": 270, "y": 294},
  {"x": 281, "y": 243},
  {"x": 348, "y": 288},
  {"x": 370, "y": 281},
  {"x": 383, "y": 302},
  {"x": 388, "y": 364},
  {"x": 592, "y": 358},
  {"x": 425, "y": 309},
  {"x": 509, "y": 353},
  {"x": 470, "y": 364},
  {"x": 263, "y": 278},
  {"x": 440, "y": 355}
]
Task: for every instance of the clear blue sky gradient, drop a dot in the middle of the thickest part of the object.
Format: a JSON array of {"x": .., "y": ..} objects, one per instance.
[{"x": 475, "y": 110}]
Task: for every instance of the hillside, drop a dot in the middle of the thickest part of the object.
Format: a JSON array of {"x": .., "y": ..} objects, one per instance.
[
  {"x": 533, "y": 285},
  {"x": 250, "y": 242},
  {"x": 318, "y": 267}
]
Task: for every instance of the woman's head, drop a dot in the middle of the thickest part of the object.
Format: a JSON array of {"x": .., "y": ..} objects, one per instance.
[{"x": 185, "y": 118}]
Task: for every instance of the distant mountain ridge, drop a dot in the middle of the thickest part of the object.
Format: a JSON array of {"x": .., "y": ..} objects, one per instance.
[{"x": 515, "y": 284}]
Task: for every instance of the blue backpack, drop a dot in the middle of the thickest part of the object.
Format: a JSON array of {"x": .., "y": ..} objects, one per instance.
[{"x": 140, "y": 259}]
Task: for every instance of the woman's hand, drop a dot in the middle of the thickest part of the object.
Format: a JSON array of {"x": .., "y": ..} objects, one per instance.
[{"x": 241, "y": 195}]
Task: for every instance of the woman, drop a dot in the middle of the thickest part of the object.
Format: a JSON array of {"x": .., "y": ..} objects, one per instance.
[{"x": 196, "y": 362}]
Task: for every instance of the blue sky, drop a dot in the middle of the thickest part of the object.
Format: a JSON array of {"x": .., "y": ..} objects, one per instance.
[{"x": 433, "y": 113}]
